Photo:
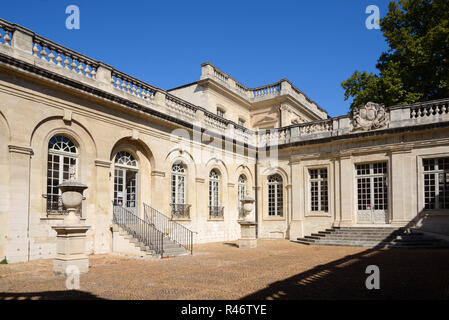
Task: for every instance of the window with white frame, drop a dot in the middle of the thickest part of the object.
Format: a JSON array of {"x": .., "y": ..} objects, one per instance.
[
  {"x": 318, "y": 190},
  {"x": 241, "y": 192},
  {"x": 275, "y": 195},
  {"x": 215, "y": 210},
  {"x": 436, "y": 183},
  {"x": 62, "y": 154},
  {"x": 178, "y": 177}
]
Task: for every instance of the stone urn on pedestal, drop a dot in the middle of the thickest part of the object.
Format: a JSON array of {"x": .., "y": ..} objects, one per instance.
[
  {"x": 248, "y": 225},
  {"x": 71, "y": 235}
]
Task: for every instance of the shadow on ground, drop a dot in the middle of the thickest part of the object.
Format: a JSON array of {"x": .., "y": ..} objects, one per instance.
[
  {"x": 404, "y": 274},
  {"x": 50, "y": 295}
]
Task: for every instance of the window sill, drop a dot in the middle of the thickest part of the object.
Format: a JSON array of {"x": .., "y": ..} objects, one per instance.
[
  {"x": 321, "y": 214},
  {"x": 274, "y": 218},
  {"x": 215, "y": 219},
  {"x": 180, "y": 219},
  {"x": 57, "y": 217}
]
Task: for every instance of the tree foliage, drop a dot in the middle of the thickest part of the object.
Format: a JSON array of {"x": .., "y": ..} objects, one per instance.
[{"x": 416, "y": 65}]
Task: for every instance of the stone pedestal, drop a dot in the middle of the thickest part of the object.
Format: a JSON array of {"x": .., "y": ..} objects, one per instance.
[
  {"x": 247, "y": 235},
  {"x": 70, "y": 249}
]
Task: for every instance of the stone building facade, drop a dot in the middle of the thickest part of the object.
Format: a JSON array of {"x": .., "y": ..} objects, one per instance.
[{"x": 192, "y": 152}]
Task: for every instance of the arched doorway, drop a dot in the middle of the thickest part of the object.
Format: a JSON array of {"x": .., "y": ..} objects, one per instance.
[{"x": 125, "y": 181}]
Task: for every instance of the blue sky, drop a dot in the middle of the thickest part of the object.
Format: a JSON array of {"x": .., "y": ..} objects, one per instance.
[{"x": 315, "y": 44}]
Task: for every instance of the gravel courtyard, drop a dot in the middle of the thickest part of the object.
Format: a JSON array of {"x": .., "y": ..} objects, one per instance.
[{"x": 276, "y": 269}]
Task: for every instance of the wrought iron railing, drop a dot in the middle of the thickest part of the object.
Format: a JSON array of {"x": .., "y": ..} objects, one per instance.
[
  {"x": 172, "y": 229},
  {"x": 216, "y": 212},
  {"x": 139, "y": 229},
  {"x": 179, "y": 210},
  {"x": 55, "y": 206}
]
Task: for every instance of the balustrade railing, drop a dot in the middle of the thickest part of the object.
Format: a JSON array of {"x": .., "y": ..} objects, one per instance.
[
  {"x": 139, "y": 229},
  {"x": 6, "y": 33},
  {"x": 63, "y": 57},
  {"x": 429, "y": 109},
  {"x": 273, "y": 89},
  {"x": 132, "y": 86},
  {"x": 180, "y": 211},
  {"x": 180, "y": 106},
  {"x": 216, "y": 212},
  {"x": 169, "y": 228},
  {"x": 215, "y": 121},
  {"x": 55, "y": 206}
]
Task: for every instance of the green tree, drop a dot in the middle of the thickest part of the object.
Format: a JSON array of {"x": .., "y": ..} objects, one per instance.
[{"x": 416, "y": 65}]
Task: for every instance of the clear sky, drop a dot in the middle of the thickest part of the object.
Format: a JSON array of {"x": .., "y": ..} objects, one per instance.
[{"x": 315, "y": 44}]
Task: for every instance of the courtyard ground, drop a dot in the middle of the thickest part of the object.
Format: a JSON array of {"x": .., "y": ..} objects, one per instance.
[{"x": 276, "y": 269}]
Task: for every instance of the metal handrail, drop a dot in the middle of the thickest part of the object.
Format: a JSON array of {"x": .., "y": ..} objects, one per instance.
[
  {"x": 139, "y": 229},
  {"x": 171, "y": 229},
  {"x": 180, "y": 210}
]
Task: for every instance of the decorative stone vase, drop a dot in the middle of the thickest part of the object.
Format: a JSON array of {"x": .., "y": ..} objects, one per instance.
[
  {"x": 71, "y": 235},
  {"x": 72, "y": 197},
  {"x": 248, "y": 207},
  {"x": 248, "y": 226}
]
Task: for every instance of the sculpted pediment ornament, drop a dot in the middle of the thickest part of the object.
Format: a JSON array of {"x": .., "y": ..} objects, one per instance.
[{"x": 372, "y": 116}]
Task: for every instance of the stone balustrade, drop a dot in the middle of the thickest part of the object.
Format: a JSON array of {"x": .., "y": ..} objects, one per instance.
[
  {"x": 132, "y": 86},
  {"x": 268, "y": 90},
  {"x": 34, "y": 51},
  {"x": 62, "y": 57},
  {"x": 5, "y": 33},
  {"x": 180, "y": 107}
]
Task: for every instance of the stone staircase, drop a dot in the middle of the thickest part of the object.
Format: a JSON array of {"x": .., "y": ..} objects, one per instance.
[
  {"x": 125, "y": 243},
  {"x": 373, "y": 237}
]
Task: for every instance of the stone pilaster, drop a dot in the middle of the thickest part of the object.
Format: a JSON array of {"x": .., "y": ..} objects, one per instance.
[
  {"x": 347, "y": 203},
  {"x": 103, "y": 208},
  {"x": 19, "y": 204}
]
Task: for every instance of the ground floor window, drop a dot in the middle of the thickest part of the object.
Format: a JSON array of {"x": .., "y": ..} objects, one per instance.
[
  {"x": 62, "y": 154},
  {"x": 319, "y": 200},
  {"x": 275, "y": 195},
  {"x": 372, "y": 192},
  {"x": 125, "y": 181},
  {"x": 436, "y": 183}
]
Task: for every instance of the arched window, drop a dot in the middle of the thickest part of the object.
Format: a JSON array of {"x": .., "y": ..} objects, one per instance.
[
  {"x": 124, "y": 158},
  {"x": 125, "y": 181},
  {"x": 275, "y": 195},
  {"x": 178, "y": 191},
  {"x": 242, "y": 191},
  {"x": 62, "y": 154},
  {"x": 178, "y": 177},
  {"x": 215, "y": 210}
]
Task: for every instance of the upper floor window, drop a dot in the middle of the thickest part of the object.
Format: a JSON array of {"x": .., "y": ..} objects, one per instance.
[
  {"x": 436, "y": 183},
  {"x": 220, "y": 112},
  {"x": 318, "y": 190},
  {"x": 275, "y": 195},
  {"x": 242, "y": 122},
  {"x": 62, "y": 154}
]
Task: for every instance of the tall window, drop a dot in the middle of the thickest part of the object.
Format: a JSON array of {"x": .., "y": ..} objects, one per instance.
[
  {"x": 275, "y": 195},
  {"x": 436, "y": 183},
  {"x": 62, "y": 153},
  {"x": 241, "y": 193},
  {"x": 214, "y": 194},
  {"x": 318, "y": 190},
  {"x": 178, "y": 176},
  {"x": 125, "y": 181}
]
